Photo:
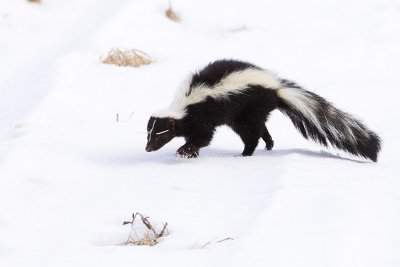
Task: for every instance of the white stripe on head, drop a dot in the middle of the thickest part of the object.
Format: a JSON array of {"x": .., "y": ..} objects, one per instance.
[
  {"x": 151, "y": 130},
  {"x": 162, "y": 132}
]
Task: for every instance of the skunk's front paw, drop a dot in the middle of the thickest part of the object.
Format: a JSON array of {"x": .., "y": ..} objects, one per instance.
[
  {"x": 269, "y": 145},
  {"x": 186, "y": 156},
  {"x": 187, "y": 151}
]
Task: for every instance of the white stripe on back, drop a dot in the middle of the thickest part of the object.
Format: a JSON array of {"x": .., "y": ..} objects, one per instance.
[{"x": 234, "y": 83}]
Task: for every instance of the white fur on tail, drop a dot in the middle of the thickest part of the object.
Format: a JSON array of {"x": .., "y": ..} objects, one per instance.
[
  {"x": 307, "y": 105},
  {"x": 299, "y": 99}
]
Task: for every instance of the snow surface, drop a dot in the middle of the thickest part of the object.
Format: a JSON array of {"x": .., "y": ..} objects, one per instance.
[{"x": 70, "y": 174}]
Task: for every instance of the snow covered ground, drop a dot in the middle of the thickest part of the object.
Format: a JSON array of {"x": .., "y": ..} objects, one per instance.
[{"x": 70, "y": 174}]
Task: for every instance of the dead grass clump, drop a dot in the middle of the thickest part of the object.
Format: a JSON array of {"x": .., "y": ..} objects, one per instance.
[
  {"x": 171, "y": 14},
  {"x": 35, "y": 1},
  {"x": 131, "y": 57},
  {"x": 143, "y": 233}
]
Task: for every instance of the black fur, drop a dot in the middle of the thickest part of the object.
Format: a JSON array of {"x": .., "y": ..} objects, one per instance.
[
  {"x": 216, "y": 71},
  {"x": 247, "y": 112}
]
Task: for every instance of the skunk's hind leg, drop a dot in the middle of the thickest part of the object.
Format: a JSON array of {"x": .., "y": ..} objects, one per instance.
[
  {"x": 250, "y": 133},
  {"x": 267, "y": 139}
]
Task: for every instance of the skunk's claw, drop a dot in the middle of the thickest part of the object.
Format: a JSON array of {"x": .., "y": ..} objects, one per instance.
[{"x": 187, "y": 151}]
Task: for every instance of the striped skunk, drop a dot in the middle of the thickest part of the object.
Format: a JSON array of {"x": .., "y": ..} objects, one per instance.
[{"x": 241, "y": 95}]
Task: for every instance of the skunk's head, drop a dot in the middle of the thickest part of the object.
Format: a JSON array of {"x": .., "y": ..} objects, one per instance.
[{"x": 159, "y": 132}]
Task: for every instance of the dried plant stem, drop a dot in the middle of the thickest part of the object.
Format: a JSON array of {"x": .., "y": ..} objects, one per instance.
[
  {"x": 171, "y": 14},
  {"x": 217, "y": 241},
  {"x": 148, "y": 224},
  {"x": 164, "y": 230},
  {"x": 150, "y": 238}
]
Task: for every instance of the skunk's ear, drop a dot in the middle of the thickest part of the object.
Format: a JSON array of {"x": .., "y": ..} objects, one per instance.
[{"x": 172, "y": 122}]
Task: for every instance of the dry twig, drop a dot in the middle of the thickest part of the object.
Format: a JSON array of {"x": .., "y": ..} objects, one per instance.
[
  {"x": 216, "y": 241},
  {"x": 171, "y": 14},
  {"x": 150, "y": 238}
]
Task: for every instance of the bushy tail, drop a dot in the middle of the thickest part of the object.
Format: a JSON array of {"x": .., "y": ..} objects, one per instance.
[{"x": 319, "y": 120}]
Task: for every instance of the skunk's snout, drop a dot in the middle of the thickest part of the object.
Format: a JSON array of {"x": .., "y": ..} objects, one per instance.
[{"x": 148, "y": 148}]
